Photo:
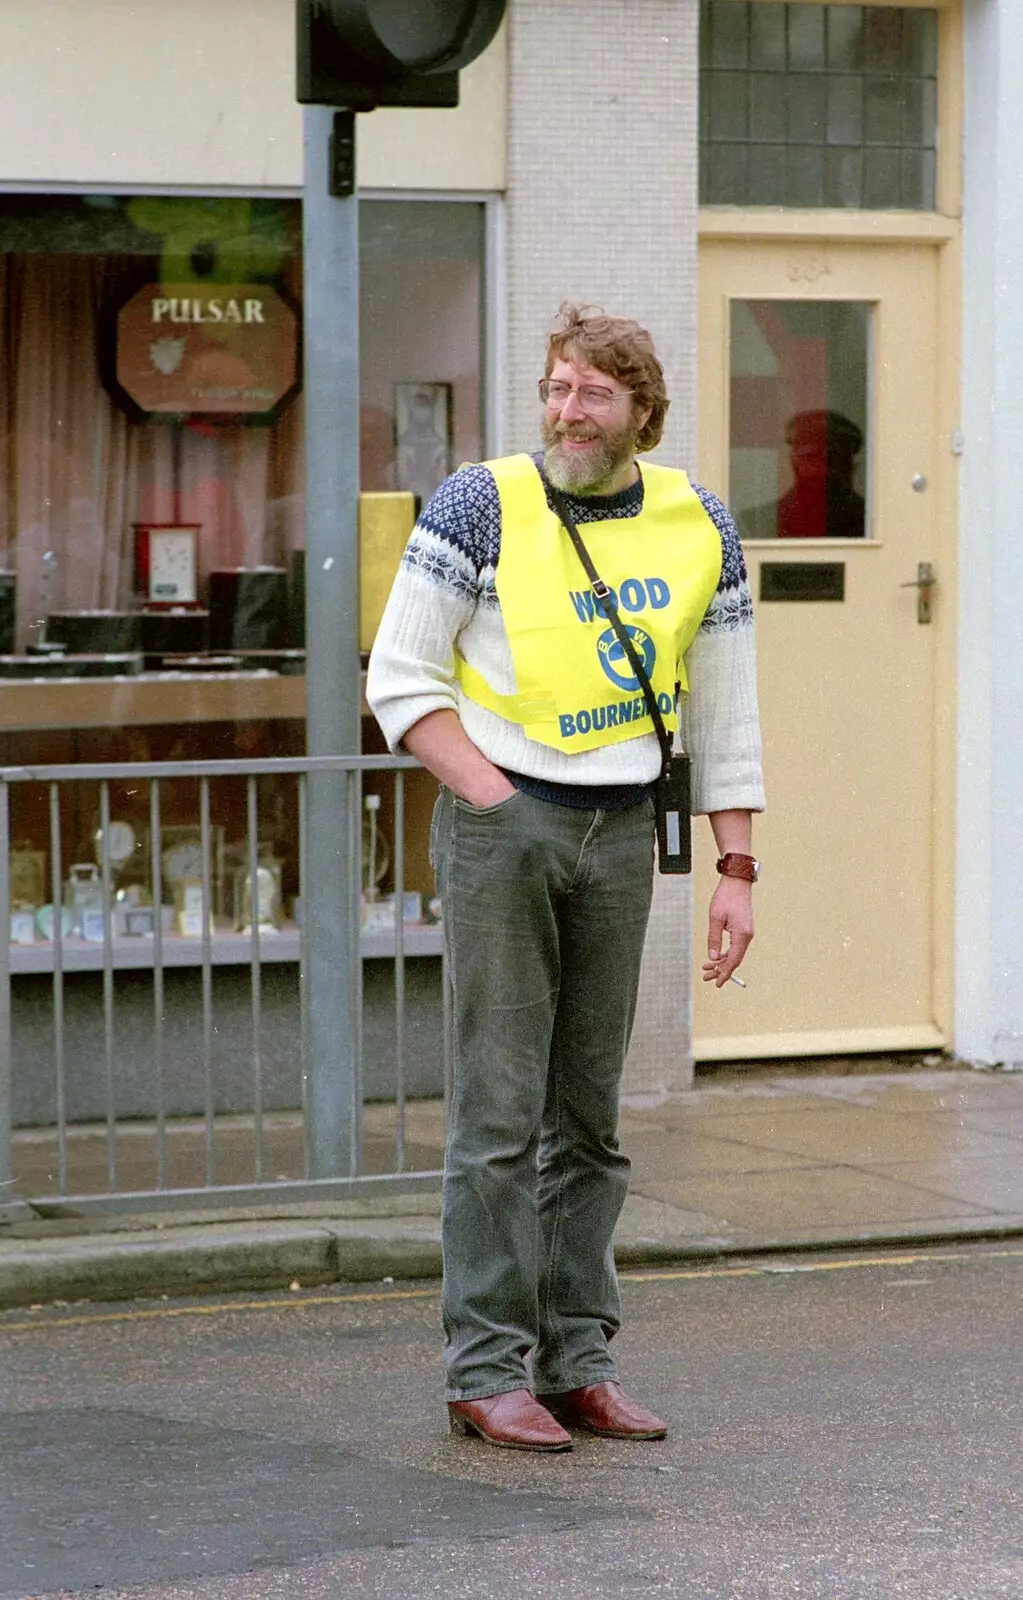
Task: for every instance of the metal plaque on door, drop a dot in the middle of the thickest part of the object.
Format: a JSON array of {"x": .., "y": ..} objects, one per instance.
[{"x": 802, "y": 580}]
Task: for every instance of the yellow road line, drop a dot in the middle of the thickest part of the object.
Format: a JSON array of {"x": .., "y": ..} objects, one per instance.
[
  {"x": 300, "y": 1302},
  {"x": 295, "y": 1302},
  {"x": 780, "y": 1270}
]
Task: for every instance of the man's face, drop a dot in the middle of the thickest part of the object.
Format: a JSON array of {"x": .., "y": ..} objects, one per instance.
[
  {"x": 808, "y": 452},
  {"x": 589, "y": 450}
]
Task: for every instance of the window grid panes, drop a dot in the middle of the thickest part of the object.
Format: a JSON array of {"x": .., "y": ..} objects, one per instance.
[{"x": 818, "y": 105}]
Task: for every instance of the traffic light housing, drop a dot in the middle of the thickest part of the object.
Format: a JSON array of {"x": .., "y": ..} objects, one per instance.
[{"x": 366, "y": 53}]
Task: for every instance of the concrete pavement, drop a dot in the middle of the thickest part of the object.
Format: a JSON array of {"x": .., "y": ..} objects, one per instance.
[{"x": 743, "y": 1163}]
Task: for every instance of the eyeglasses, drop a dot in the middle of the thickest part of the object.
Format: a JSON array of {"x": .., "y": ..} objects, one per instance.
[{"x": 595, "y": 400}]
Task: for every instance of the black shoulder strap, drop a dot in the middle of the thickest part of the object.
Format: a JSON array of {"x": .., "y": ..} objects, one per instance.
[{"x": 610, "y": 610}]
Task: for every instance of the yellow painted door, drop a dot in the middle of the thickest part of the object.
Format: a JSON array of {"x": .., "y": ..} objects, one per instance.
[{"x": 819, "y": 428}]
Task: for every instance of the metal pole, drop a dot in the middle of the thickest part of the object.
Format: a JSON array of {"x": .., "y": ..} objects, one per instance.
[
  {"x": 331, "y": 320},
  {"x": 6, "y": 1060},
  {"x": 11, "y": 1210}
]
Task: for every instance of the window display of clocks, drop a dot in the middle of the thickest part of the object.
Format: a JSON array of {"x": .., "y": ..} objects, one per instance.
[
  {"x": 267, "y": 897},
  {"x": 120, "y": 843},
  {"x": 183, "y": 860},
  {"x": 166, "y": 563}
]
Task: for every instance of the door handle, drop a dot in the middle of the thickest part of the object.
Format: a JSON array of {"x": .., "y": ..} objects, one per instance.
[{"x": 923, "y": 583}]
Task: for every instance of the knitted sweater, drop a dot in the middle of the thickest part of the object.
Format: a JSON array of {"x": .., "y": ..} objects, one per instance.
[{"x": 445, "y": 591}]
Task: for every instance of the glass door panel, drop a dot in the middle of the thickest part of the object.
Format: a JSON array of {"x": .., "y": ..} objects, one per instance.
[{"x": 799, "y": 440}]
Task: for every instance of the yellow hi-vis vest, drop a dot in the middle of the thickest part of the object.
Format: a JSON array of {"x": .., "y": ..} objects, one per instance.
[{"x": 576, "y": 687}]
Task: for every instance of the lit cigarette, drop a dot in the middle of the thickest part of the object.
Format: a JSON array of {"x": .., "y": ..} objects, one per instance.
[{"x": 740, "y": 981}]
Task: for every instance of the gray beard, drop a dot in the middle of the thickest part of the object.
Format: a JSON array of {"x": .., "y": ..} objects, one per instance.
[{"x": 593, "y": 474}]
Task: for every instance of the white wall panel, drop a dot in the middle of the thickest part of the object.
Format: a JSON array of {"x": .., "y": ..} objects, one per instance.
[
  {"x": 989, "y": 878},
  {"x": 201, "y": 93}
]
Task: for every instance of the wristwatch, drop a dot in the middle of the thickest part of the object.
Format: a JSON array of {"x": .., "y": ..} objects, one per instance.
[{"x": 734, "y": 865}]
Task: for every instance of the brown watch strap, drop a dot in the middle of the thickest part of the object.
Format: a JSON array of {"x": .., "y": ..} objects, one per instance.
[{"x": 734, "y": 865}]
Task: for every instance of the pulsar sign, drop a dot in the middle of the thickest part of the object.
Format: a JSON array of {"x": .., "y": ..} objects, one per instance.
[{"x": 229, "y": 350}]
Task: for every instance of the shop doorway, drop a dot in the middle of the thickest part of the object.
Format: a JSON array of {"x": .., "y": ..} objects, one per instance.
[{"x": 820, "y": 425}]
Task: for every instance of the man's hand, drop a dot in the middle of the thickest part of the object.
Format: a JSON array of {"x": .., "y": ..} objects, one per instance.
[
  {"x": 487, "y": 789},
  {"x": 731, "y": 913},
  {"x": 440, "y": 743}
]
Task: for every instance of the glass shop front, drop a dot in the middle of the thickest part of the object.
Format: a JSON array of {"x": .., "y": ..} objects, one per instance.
[{"x": 152, "y": 503}]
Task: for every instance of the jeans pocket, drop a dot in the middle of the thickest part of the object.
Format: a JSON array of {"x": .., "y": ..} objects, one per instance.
[
  {"x": 436, "y": 822},
  {"x": 487, "y": 811}
]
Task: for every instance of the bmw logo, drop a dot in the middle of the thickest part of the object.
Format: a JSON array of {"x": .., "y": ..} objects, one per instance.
[{"x": 616, "y": 663}]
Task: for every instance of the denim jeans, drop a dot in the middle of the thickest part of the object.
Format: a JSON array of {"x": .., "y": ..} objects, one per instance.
[{"x": 545, "y": 913}]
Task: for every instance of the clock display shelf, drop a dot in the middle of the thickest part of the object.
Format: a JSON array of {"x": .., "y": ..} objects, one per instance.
[
  {"x": 227, "y": 948},
  {"x": 173, "y": 698}
]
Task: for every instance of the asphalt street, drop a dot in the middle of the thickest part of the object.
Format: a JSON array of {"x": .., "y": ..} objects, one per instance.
[{"x": 843, "y": 1425}]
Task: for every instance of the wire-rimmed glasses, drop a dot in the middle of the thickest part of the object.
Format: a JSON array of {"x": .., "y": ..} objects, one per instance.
[{"x": 592, "y": 398}]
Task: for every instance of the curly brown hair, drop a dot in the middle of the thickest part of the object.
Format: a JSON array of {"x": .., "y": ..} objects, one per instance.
[{"x": 622, "y": 349}]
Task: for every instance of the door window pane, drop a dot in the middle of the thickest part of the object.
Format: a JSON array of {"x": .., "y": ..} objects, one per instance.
[
  {"x": 845, "y": 38},
  {"x": 844, "y": 177},
  {"x": 767, "y": 166},
  {"x": 845, "y": 111},
  {"x": 918, "y": 113},
  {"x": 794, "y": 79},
  {"x": 768, "y": 108},
  {"x": 806, "y": 37},
  {"x": 919, "y": 44},
  {"x": 882, "y": 175},
  {"x": 729, "y": 171},
  {"x": 882, "y": 37},
  {"x": 728, "y": 108},
  {"x": 804, "y": 181},
  {"x": 917, "y": 173},
  {"x": 882, "y": 111},
  {"x": 767, "y": 37},
  {"x": 729, "y": 35},
  {"x": 807, "y": 112},
  {"x": 799, "y": 434}
]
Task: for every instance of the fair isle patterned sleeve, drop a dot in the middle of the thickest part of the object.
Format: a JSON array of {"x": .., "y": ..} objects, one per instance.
[
  {"x": 719, "y": 718},
  {"x": 447, "y": 571}
]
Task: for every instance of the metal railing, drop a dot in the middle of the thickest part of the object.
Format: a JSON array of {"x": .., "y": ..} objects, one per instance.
[{"x": 198, "y": 1111}]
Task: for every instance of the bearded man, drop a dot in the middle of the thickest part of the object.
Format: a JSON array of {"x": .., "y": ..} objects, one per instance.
[{"x": 495, "y": 666}]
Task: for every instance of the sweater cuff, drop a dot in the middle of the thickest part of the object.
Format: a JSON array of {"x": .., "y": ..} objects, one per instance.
[{"x": 396, "y": 717}]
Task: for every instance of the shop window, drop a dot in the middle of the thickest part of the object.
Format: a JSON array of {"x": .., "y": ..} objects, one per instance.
[
  {"x": 152, "y": 496},
  {"x": 818, "y": 105},
  {"x": 421, "y": 332},
  {"x": 151, "y": 350}
]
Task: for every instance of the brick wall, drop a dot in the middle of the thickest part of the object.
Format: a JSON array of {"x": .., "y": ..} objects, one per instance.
[{"x": 602, "y": 147}]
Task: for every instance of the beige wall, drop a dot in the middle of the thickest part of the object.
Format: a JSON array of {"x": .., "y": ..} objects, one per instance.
[
  {"x": 602, "y": 207},
  {"x": 201, "y": 93}
]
